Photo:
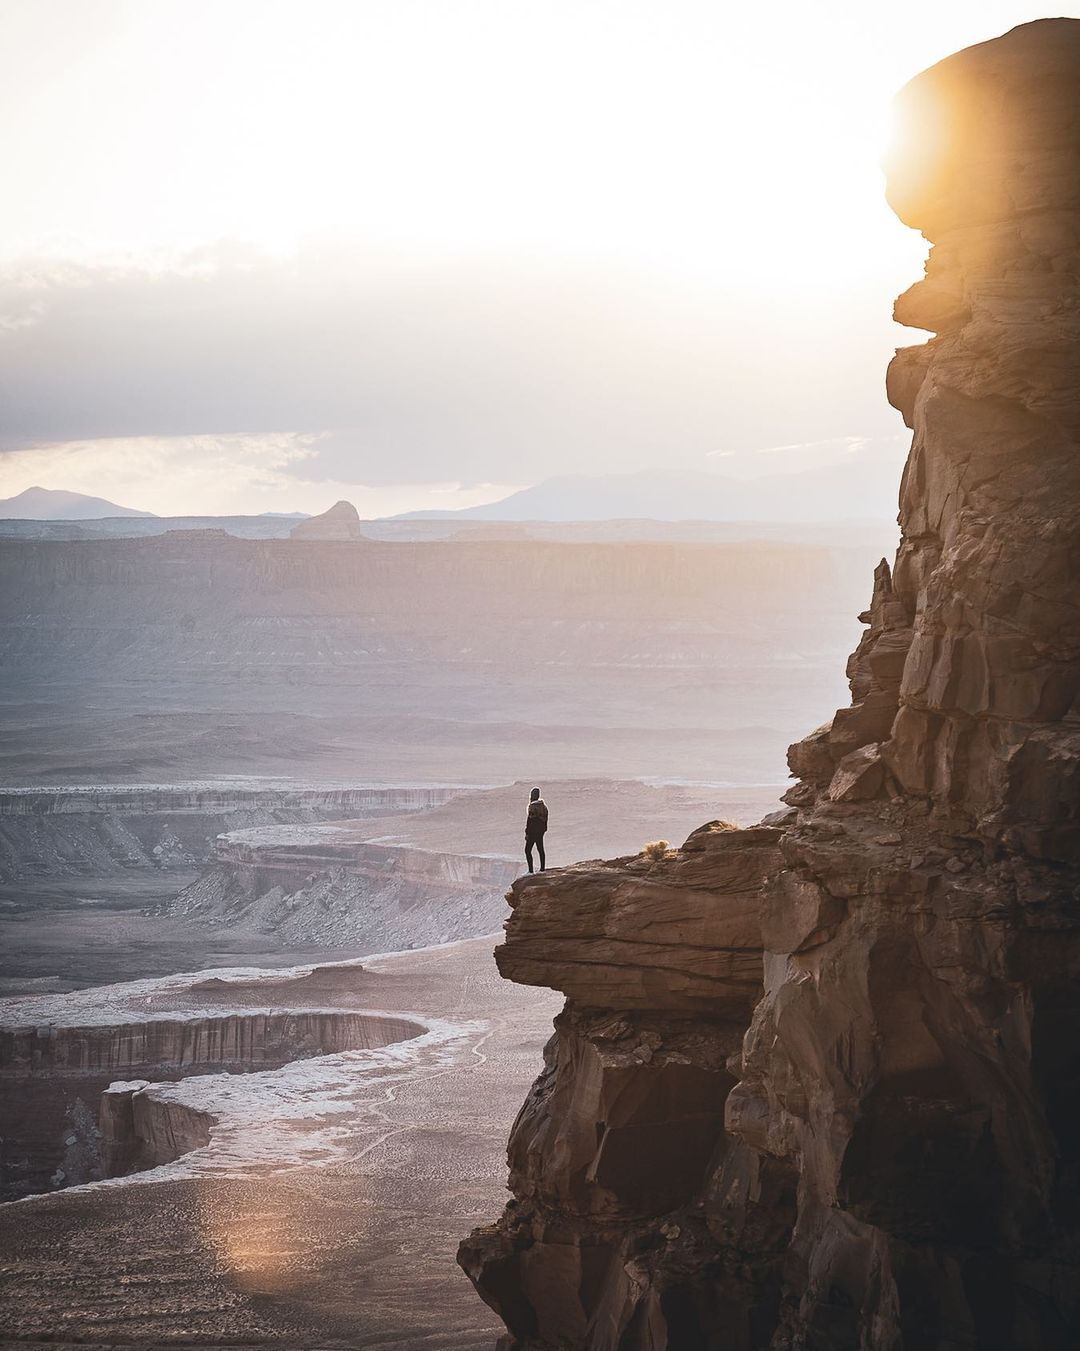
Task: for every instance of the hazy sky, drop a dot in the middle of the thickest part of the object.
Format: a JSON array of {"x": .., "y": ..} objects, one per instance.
[{"x": 260, "y": 254}]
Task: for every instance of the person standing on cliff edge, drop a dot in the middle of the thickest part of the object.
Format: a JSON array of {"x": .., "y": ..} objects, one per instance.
[{"x": 536, "y": 821}]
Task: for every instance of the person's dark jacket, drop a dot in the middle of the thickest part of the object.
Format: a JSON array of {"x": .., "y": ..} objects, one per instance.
[{"x": 537, "y": 819}]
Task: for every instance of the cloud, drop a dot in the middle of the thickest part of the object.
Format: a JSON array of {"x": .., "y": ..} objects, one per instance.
[
  {"x": 456, "y": 370},
  {"x": 795, "y": 456},
  {"x": 851, "y": 444},
  {"x": 234, "y": 474}
]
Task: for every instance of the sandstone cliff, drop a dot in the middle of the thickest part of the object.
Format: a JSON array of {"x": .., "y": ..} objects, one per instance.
[{"x": 816, "y": 1084}]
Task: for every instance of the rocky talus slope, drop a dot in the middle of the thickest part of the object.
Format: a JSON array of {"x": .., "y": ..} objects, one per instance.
[{"x": 817, "y": 1083}]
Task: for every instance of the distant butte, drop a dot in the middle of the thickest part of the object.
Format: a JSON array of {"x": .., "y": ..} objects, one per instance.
[{"x": 342, "y": 521}]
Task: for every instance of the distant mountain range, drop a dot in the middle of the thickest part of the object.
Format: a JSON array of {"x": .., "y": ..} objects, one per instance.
[
  {"x": 859, "y": 490},
  {"x": 863, "y": 488},
  {"x": 53, "y": 504}
]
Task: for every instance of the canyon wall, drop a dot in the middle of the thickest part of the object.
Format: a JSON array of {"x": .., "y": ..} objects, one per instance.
[
  {"x": 80, "y": 831},
  {"x": 327, "y": 885},
  {"x": 258, "y": 860},
  {"x": 816, "y": 1084},
  {"x": 248, "y": 1040},
  {"x": 53, "y": 1076},
  {"x": 219, "y": 800},
  {"x": 140, "y": 1131}
]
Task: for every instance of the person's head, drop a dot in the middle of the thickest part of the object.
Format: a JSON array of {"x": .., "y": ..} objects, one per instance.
[{"x": 534, "y": 796}]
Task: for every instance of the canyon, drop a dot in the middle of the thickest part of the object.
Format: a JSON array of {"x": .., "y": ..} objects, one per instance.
[
  {"x": 200, "y": 1140},
  {"x": 300, "y": 1186},
  {"x": 330, "y": 887},
  {"x": 815, "y": 1083},
  {"x": 66, "y": 1118},
  {"x": 87, "y": 830},
  {"x": 90, "y": 874},
  {"x": 803, "y": 1079},
  {"x": 401, "y": 661},
  {"x": 109, "y": 882}
]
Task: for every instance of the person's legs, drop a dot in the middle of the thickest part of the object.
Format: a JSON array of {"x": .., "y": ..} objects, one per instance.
[
  {"x": 528, "y": 854},
  {"x": 540, "y": 851}
]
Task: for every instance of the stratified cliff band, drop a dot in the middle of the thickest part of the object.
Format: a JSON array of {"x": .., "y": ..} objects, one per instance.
[{"x": 817, "y": 1083}]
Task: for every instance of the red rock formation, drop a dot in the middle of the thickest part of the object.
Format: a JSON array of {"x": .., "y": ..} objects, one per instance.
[{"x": 867, "y": 1137}]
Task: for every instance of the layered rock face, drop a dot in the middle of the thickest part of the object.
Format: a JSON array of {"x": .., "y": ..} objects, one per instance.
[
  {"x": 61, "y": 832},
  {"x": 53, "y": 1075},
  {"x": 328, "y": 886},
  {"x": 139, "y": 1131},
  {"x": 817, "y": 1083},
  {"x": 242, "y": 1039}
]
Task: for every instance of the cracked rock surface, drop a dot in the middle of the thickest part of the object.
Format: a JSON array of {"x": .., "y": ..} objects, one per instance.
[{"x": 816, "y": 1084}]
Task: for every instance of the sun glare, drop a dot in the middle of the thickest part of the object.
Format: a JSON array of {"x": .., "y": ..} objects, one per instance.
[{"x": 568, "y": 129}]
